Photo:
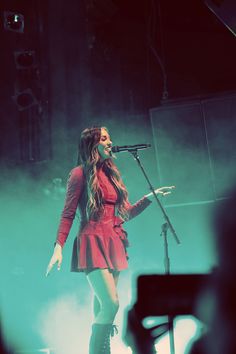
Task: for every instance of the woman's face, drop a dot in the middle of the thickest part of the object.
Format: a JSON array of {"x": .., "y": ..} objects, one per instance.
[{"x": 104, "y": 147}]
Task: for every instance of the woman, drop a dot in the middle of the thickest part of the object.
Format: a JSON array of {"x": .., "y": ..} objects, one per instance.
[{"x": 99, "y": 250}]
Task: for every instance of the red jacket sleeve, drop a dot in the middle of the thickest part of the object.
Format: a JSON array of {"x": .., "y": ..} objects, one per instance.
[
  {"x": 138, "y": 207},
  {"x": 75, "y": 185}
]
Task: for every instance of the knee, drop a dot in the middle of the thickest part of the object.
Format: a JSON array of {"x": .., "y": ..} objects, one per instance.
[
  {"x": 115, "y": 306},
  {"x": 112, "y": 307}
]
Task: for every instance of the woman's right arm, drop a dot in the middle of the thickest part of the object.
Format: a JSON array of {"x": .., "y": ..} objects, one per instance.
[{"x": 75, "y": 186}]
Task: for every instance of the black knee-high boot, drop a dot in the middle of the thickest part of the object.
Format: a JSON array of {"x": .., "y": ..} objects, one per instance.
[{"x": 100, "y": 339}]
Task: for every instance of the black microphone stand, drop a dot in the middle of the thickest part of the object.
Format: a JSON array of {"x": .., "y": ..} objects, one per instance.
[{"x": 167, "y": 225}]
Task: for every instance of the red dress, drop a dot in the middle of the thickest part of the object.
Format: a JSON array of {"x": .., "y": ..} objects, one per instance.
[{"x": 100, "y": 243}]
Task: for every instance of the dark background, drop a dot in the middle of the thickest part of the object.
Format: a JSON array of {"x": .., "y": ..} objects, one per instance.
[{"x": 99, "y": 61}]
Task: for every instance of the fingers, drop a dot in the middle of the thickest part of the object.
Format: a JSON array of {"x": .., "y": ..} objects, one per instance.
[
  {"x": 48, "y": 270},
  {"x": 59, "y": 264},
  {"x": 51, "y": 265},
  {"x": 163, "y": 194},
  {"x": 165, "y": 190}
]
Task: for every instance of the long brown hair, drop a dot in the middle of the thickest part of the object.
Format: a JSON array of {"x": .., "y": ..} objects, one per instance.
[{"x": 89, "y": 158}]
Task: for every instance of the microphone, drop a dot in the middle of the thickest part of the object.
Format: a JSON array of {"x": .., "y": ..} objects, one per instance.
[{"x": 130, "y": 147}]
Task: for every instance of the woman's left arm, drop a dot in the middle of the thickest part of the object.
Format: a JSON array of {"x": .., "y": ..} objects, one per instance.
[{"x": 137, "y": 208}]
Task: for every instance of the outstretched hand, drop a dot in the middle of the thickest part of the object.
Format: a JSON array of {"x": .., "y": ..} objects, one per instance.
[
  {"x": 163, "y": 191},
  {"x": 56, "y": 258}
]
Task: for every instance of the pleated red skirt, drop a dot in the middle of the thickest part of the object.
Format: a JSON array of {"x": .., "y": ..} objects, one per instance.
[{"x": 101, "y": 244}]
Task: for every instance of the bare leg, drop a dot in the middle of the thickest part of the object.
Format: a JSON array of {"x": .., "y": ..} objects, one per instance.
[
  {"x": 103, "y": 284},
  {"x": 96, "y": 304}
]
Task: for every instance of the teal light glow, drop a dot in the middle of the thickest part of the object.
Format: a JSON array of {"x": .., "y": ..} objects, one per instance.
[{"x": 186, "y": 329}]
